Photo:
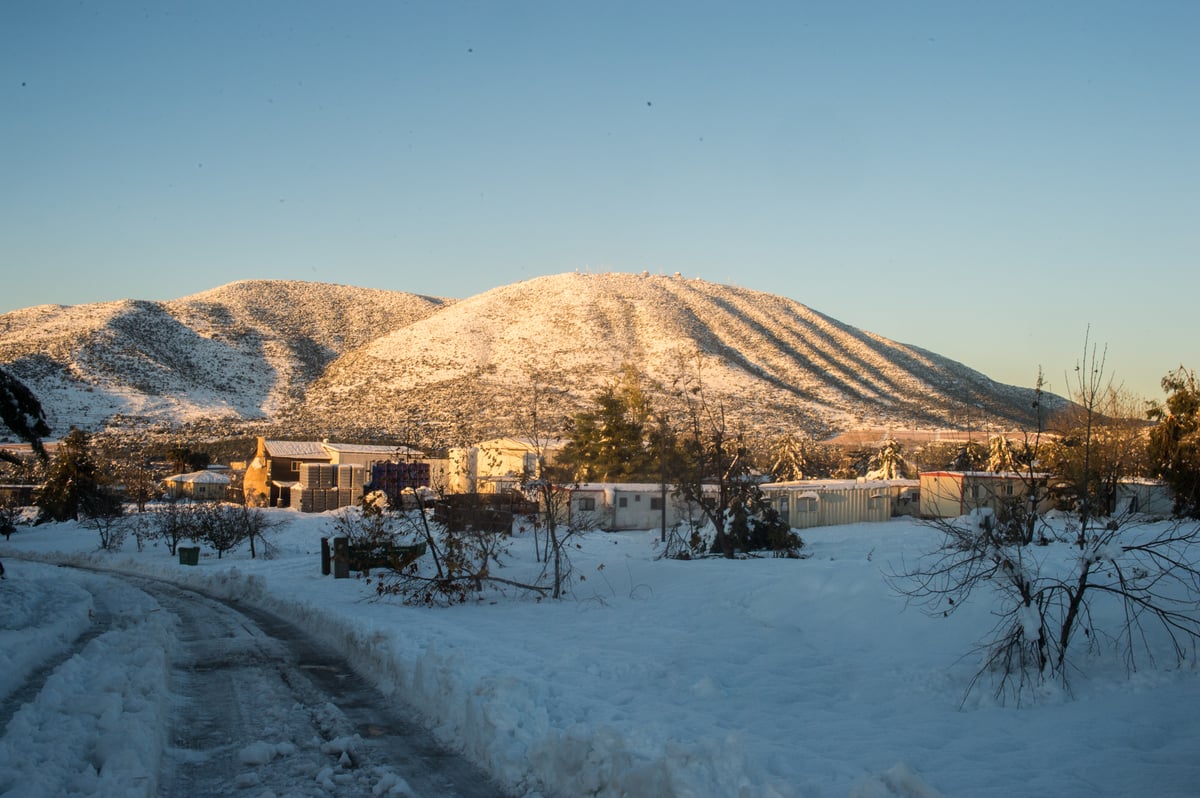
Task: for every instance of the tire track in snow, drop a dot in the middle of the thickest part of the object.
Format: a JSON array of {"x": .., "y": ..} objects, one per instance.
[{"x": 258, "y": 704}]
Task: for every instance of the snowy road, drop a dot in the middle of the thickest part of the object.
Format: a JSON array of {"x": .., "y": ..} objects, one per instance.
[{"x": 165, "y": 691}]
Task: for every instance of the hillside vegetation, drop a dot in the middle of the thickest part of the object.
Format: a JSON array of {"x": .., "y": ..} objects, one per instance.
[{"x": 321, "y": 358}]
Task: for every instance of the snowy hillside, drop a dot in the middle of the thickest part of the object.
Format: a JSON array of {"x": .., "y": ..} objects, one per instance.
[
  {"x": 333, "y": 359},
  {"x": 770, "y": 361},
  {"x": 239, "y": 351}
]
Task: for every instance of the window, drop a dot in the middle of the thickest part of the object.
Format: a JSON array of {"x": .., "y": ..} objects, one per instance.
[
  {"x": 586, "y": 504},
  {"x": 656, "y": 503},
  {"x": 1008, "y": 489},
  {"x": 806, "y": 505},
  {"x": 295, "y": 466},
  {"x": 623, "y": 501}
]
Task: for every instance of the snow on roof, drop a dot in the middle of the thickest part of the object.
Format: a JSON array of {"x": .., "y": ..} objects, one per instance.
[
  {"x": 842, "y": 484},
  {"x": 364, "y": 448},
  {"x": 311, "y": 449},
  {"x": 632, "y": 487},
  {"x": 522, "y": 443},
  {"x": 209, "y": 477},
  {"x": 323, "y": 450},
  {"x": 985, "y": 474}
]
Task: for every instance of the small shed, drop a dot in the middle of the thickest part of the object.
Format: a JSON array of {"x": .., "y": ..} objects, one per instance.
[
  {"x": 1144, "y": 496},
  {"x": 202, "y": 485}
]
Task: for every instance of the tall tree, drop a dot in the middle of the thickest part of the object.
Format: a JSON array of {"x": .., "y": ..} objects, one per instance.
[
  {"x": 1100, "y": 441},
  {"x": 611, "y": 442},
  {"x": 1174, "y": 448},
  {"x": 546, "y": 479},
  {"x": 75, "y": 485},
  {"x": 715, "y": 477}
]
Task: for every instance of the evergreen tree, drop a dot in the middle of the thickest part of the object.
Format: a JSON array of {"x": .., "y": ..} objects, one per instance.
[
  {"x": 789, "y": 459},
  {"x": 1175, "y": 442},
  {"x": 611, "y": 443},
  {"x": 971, "y": 456},
  {"x": 183, "y": 460},
  {"x": 21, "y": 412},
  {"x": 1001, "y": 457},
  {"x": 74, "y": 484},
  {"x": 889, "y": 462}
]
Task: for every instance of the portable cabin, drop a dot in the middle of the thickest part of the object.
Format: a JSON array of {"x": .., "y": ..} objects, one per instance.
[
  {"x": 949, "y": 494},
  {"x": 831, "y": 502},
  {"x": 626, "y": 506}
]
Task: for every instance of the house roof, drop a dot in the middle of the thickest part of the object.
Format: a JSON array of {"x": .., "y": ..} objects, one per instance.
[
  {"x": 323, "y": 450},
  {"x": 523, "y": 444},
  {"x": 984, "y": 474},
  {"x": 842, "y": 484},
  {"x": 366, "y": 448},
  {"x": 299, "y": 449},
  {"x": 626, "y": 487},
  {"x": 206, "y": 476}
]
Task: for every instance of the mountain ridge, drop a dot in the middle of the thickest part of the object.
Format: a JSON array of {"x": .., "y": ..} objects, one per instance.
[{"x": 321, "y": 357}]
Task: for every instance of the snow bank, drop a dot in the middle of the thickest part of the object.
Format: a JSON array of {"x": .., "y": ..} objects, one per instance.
[{"x": 97, "y": 725}]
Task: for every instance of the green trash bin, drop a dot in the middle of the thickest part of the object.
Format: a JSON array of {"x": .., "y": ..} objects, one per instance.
[{"x": 189, "y": 555}]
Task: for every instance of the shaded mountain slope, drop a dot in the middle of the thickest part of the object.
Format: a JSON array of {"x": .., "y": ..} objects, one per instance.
[{"x": 238, "y": 351}]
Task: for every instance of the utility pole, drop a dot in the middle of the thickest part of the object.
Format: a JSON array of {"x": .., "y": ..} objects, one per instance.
[{"x": 662, "y": 474}]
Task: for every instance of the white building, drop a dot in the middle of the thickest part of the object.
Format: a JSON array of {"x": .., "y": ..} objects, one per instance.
[{"x": 828, "y": 502}]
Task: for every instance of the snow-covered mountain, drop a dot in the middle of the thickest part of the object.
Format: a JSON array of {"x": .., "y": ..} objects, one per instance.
[
  {"x": 335, "y": 359},
  {"x": 239, "y": 351}
]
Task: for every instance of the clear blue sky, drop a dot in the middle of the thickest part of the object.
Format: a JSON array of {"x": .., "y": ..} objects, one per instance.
[{"x": 985, "y": 180}]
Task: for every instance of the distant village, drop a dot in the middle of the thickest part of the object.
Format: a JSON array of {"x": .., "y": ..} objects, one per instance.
[{"x": 323, "y": 476}]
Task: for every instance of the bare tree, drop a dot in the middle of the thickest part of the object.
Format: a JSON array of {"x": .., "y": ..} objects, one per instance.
[
  {"x": 109, "y": 521},
  {"x": 1045, "y": 600},
  {"x": 715, "y": 478},
  {"x": 1100, "y": 440},
  {"x": 541, "y": 420},
  {"x": 219, "y": 526},
  {"x": 256, "y": 528},
  {"x": 174, "y": 523},
  {"x": 464, "y": 561}
]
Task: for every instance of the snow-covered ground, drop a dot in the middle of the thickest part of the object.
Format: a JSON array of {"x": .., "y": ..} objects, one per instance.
[{"x": 655, "y": 678}]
